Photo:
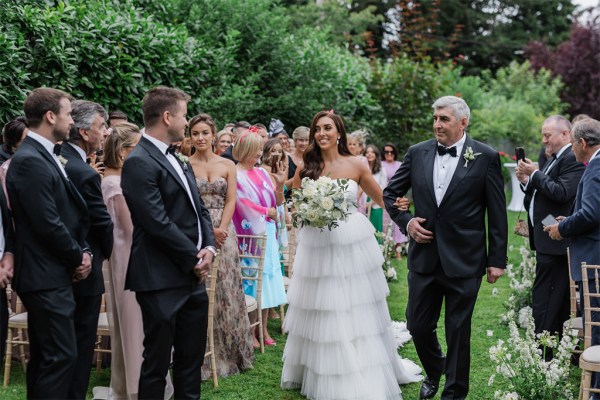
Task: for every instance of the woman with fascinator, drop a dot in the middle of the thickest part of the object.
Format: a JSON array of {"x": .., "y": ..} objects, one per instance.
[{"x": 340, "y": 342}]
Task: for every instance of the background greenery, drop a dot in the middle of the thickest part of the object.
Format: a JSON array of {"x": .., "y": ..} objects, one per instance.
[
  {"x": 262, "y": 382},
  {"x": 378, "y": 64}
]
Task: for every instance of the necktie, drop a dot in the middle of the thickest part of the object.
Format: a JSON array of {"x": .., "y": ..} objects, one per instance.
[
  {"x": 549, "y": 163},
  {"x": 447, "y": 150},
  {"x": 171, "y": 149},
  {"x": 56, "y": 150}
]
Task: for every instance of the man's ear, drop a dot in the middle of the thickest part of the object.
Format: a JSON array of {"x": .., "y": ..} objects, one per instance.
[
  {"x": 166, "y": 118},
  {"x": 84, "y": 135},
  {"x": 50, "y": 117}
]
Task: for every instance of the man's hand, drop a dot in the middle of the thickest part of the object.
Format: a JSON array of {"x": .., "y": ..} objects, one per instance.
[
  {"x": 525, "y": 167},
  {"x": 84, "y": 270},
  {"x": 6, "y": 269},
  {"x": 417, "y": 232},
  {"x": 493, "y": 274},
  {"x": 205, "y": 258},
  {"x": 402, "y": 203}
]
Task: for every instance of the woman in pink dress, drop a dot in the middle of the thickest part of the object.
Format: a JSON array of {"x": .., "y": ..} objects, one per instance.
[
  {"x": 124, "y": 315},
  {"x": 390, "y": 165}
]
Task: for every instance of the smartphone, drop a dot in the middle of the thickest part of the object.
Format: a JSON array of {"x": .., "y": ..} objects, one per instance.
[
  {"x": 549, "y": 220},
  {"x": 520, "y": 153}
]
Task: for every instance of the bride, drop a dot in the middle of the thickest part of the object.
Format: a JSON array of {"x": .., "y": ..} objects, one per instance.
[{"x": 340, "y": 342}]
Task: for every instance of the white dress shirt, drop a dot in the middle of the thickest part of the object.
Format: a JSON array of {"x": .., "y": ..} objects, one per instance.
[
  {"x": 171, "y": 158},
  {"x": 444, "y": 167},
  {"x": 49, "y": 146}
]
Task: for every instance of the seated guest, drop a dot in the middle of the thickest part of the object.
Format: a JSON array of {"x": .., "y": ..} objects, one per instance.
[{"x": 258, "y": 195}]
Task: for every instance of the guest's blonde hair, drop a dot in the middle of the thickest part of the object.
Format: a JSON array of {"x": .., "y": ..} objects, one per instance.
[
  {"x": 124, "y": 134},
  {"x": 247, "y": 145}
]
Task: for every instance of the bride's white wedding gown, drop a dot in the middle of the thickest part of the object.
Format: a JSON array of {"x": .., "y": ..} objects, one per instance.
[{"x": 340, "y": 341}]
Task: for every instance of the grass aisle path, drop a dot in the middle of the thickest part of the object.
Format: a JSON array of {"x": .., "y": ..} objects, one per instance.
[{"x": 262, "y": 383}]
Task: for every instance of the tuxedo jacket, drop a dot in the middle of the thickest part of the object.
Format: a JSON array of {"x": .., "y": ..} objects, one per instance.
[
  {"x": 583, "y": 226},
  {"x": 100, "y": 236},
  {"x": 165, "y": 227},
  {"x": 7, "y": 225},
  {"x": 554, "y": 194},
  {"x": 51, "y": 220},
  {"x": 459, "y": 222}
]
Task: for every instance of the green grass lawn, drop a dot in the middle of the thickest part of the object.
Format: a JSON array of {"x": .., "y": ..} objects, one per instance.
[{"x": 262, "y": 383}]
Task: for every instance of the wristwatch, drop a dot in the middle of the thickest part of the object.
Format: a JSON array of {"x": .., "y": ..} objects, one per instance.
[
  {"x": 212, "y": 249},
  {"x": 89, "y": 251}
]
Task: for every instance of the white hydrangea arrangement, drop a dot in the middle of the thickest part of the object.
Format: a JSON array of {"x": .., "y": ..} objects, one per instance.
[
  {"x": 521, "y": 280},
  {"x": 320, "y": 203}
]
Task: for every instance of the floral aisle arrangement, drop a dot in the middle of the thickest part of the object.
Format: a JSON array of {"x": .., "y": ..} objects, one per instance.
[
  {"x": 521, "y": 280},
  {"x": 521, "y": 367},
  {"x": 388, "y": 248},
  {"x": 320, "y": 203}
]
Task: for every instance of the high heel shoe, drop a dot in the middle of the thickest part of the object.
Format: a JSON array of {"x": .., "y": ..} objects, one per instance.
[{"x": 270, "y": 342}]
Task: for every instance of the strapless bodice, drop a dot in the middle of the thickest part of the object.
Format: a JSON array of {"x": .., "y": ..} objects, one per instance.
[
  {"x": 351, "y": 195},
  {"x": 212, "y": 193}
]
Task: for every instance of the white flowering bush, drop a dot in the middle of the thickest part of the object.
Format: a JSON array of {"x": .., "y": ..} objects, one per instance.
[
  {"x": 388, "y": 249},
  {"x": 519, "y": 364},
  {"x": 320, "y": 203},
  {"x": 521, "y": 280}
]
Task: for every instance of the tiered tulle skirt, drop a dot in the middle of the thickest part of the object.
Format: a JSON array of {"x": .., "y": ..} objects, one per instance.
[{"x": 340, "y": 342}]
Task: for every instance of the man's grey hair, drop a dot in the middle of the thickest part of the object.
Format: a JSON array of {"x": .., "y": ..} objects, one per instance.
[
  {"x": 563, "y": 123},
  {"x": 588, "y": 130},
  {"x": 459, "y": 107},
  {"x": 84, "y": 113}
]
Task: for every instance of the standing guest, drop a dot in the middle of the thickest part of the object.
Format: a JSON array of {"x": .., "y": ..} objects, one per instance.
[
  {"x": 374, "y": 158},
  {"x": 550, "y": 191},
  {"x": 172, "y": 249},
  {"x": 455, "y": 181},
  {"x": 356, "y": 145},
  {"x": 216, "y": 179},
  {"x": 238, "y": 128},
  {"x": 87, "y": 132},
  {"x": 52, "y": 252},
  {"x": 223, "y": 141},
  {"x": 12, "y": 135},
  {"x": 124, "y": 315},
  {"x": 258, "y": 195},
  {"x": 296, "y": 158},
  {"x": 263, "y": 132},
  {"x": 116, "y": 117},
  {"x": 6, "y": 268},
  {"x": 391, "y": 165},
  {"x": 583, "y": 226}
]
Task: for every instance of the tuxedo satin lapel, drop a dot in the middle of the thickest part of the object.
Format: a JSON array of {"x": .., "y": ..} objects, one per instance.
[
  {"x": 161, "y": 159},
  {"x": 461, "y": 171},
  {"x": 429, "y": 161}
]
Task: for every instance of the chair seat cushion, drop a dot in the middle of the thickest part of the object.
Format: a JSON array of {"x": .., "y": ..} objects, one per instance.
[
  {"x": 286, "y": 282},
  {"x": 20, "y": 318},
  {"x": 251, "y": 303},
  {"x": 591, "y": 354},
  {"x": 102, "y": 321}
]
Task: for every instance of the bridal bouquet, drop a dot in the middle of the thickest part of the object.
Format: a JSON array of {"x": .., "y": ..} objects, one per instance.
[{"x": 320, "y": 203}]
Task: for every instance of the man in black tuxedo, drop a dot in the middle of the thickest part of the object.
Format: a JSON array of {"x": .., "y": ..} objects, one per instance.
[
  {"x": 455, "y": 180},
  {"x": 172, "y": 248},
  {"x": 550, "y": 191},
  {"x": 51, "y": 224},
  {"x": 6, "y": 268},
  {"x": 85, "y": 138}
]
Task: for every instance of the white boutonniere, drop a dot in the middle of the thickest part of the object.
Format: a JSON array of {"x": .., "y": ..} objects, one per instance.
[
  {"x": 63, "y": 161},
  {"x": 469, "y": 156},
  {"x": 184, "y": 159}
]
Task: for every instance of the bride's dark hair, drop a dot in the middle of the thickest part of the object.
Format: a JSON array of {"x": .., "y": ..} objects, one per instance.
[{"x": 313, "y": 160}]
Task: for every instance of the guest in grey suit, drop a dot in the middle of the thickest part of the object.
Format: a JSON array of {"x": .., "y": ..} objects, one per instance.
[{"x": 583, "y": 226}]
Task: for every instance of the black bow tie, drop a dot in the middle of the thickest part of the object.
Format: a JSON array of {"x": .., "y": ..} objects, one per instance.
[
  {"x": 447, "y": 150},
  {"x": 171, "y": 149},
  {"x": 56, "y": 150}
]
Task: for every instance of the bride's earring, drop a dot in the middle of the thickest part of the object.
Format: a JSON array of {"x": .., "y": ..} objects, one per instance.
[{"x": 338, "y": 140}]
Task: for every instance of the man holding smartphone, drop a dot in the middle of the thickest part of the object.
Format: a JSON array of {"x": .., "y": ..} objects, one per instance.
[{"x": 550, "y": 191}]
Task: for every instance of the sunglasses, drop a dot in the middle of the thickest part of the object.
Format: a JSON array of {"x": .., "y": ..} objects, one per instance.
[{"x": 388, "y": 152}]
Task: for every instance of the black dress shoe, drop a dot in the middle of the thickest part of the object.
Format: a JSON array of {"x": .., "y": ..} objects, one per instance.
[{"x": 429, "y": 388}]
